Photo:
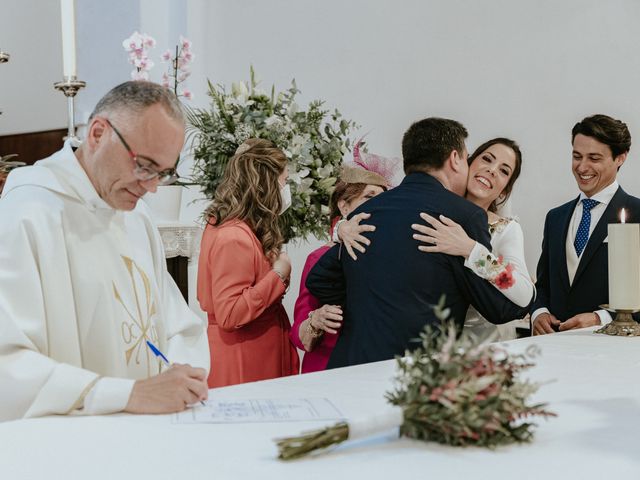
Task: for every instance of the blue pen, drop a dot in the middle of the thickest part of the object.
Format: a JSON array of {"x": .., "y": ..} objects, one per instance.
[{"x": 156, "y": 351}]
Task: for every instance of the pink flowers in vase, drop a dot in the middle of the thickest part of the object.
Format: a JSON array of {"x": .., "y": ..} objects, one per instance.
[{"x": 138, "y": 46}]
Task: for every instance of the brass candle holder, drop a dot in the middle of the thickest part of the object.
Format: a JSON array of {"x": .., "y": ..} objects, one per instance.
[
  {"x": 70, "y": 86},
  {"x": 623, "y": 325}
]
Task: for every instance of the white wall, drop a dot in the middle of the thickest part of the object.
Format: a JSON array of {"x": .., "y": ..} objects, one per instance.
[
  {"x": 30, "y": 33},
  {"x": 524, "y": 69}
]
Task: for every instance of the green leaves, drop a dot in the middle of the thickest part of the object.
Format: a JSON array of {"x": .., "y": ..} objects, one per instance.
[{"x": 313, "y": 139}]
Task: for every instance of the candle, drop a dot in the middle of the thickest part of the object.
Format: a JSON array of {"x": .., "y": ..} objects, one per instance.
[
  {"x": 67, "y": 11},
  {"x": 624, "y": 265}
]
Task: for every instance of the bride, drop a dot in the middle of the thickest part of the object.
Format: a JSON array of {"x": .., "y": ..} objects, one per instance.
[{"x": 493, "y": 169}]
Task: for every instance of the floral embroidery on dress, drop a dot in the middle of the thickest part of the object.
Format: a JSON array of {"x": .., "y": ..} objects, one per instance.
[
  {"x": 494, "y": 269},
  {"x": 499, "y": 225}
]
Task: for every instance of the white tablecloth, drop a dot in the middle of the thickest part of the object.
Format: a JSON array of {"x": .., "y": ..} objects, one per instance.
[{"x": 593, "y": 386}]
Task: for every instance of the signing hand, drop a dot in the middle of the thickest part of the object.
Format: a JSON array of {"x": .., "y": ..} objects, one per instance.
[
  {"x": 350, "y": 233},
  {"x": 171, "y": 391},
  {"x": 545, "y": 323},
  {"x": 443, "y": 236},
  {"x": 582, "y": 320}
]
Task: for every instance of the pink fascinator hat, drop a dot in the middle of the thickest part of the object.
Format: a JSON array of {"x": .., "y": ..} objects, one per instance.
[{"x": 378, "y": 170}]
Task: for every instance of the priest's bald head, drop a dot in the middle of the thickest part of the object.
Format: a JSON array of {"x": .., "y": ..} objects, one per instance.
[{"x": 134, "y": 138}]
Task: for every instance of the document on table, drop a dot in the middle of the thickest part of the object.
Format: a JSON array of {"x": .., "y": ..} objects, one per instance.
[{"x": 260, "y": 410}]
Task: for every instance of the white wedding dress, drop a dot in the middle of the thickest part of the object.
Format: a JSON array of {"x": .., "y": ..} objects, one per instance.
[{"x": 505, "y": 268}]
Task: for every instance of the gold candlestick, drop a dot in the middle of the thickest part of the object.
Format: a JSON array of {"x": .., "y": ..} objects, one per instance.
[
  {"x": 623, "y": 325},
  {"x": 70, "y": 87}
]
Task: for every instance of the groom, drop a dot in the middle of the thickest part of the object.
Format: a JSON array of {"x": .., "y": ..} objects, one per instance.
[
  {"x": 573, "y": 267},
  {"x": 390, "y": 291}
]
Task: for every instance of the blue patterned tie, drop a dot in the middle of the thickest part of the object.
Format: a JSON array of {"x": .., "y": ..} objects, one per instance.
[{"x": 582, "y": 235}]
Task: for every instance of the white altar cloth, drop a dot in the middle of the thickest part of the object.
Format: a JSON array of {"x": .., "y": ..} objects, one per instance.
[{"x": 595, "y": 391}]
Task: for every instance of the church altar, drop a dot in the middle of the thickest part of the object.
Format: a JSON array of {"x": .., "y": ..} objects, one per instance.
[
  {"x": 591, "y": 383},
  {"x": 180, "y": 240}
]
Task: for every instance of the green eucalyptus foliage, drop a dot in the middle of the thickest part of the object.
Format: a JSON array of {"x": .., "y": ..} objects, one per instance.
[{"x": 314, "y": 141}]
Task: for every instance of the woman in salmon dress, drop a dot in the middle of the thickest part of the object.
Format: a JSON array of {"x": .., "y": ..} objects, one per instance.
[{"x": 242, "y": 274}]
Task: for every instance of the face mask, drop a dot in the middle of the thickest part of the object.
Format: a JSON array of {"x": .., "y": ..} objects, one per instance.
[{"x": 285, "y": 196}]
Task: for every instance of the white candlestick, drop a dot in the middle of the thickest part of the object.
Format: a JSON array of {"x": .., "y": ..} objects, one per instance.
[
  {"x": 68, "y": 16},
  {"x": 624, "y": 266}
]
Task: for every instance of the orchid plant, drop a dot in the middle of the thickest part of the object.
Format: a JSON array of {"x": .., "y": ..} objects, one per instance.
[
  {"x": 178, "y": 70},
  {"x": 138, "y": 46}
]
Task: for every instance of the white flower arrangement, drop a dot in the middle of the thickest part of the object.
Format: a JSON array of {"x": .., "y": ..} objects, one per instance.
[{"x": 313, "y": 140}]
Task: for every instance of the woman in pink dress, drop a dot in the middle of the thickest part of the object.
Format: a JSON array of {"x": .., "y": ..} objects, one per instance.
[{"x": 316, "y": 327}]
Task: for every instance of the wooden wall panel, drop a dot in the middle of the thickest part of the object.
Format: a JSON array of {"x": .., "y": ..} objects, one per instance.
[{"x": 32, "y": 146}]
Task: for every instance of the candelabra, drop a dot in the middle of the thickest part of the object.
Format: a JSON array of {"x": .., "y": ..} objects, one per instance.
[{"x": 70, "y": 87}]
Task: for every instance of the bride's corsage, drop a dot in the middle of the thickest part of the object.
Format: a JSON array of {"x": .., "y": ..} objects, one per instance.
[{"x": 495, "y": 270}]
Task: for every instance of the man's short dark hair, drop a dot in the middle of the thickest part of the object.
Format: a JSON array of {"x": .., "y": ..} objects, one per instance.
[
  {"x": 613, "y": 133},
  {"x": 427, "y": 143}
]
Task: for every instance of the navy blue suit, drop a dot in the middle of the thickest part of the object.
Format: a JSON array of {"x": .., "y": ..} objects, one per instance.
[
  {"x": 590, "y": 287},
  {"x": 389, "y": 291}
]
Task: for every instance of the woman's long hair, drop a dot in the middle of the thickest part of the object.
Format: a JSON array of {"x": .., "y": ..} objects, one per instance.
[{"x": 249, "y": 191}]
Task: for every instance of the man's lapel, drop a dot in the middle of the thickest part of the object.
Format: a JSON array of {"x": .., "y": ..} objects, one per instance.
[
  {"x": 565, "y": 219},
  {"x": 610, "y": 215}
]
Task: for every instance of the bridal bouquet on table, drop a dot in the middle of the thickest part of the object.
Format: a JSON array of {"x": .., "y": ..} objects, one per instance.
[
  {"x": 449, "y": 391},
  {"x": 313, "y": 139}
]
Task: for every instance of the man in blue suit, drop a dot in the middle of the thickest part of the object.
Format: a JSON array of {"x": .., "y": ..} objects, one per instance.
[
  {"x": 573, "y": 268},
  {"x": 389, "y": 292}
]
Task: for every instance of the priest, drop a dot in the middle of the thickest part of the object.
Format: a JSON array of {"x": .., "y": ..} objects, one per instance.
[{"x": 83, "y": 279}]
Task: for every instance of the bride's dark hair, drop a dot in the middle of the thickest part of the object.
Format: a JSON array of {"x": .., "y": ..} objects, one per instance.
[{"x": 507, "y": 142}]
